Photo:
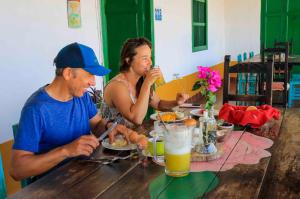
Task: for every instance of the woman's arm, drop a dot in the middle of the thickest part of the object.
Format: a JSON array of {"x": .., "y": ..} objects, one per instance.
[
  {"x": 118, "y": 94},
  {"x": 167, "y": 105}
]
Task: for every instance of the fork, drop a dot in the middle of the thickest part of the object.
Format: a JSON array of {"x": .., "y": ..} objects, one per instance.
[{"x": 106, "y": 160}]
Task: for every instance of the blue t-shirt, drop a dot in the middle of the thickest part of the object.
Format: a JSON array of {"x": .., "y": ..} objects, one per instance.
[{"x": 47, "y": 123}]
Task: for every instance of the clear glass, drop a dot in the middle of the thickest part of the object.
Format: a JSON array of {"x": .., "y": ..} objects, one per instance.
[
  {"x": 159, "y": 81},
  {"x": 158, "y": 128}
]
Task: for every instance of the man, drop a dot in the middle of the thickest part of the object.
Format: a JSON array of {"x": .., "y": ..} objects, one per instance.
[{"x": 57, "y": 119}]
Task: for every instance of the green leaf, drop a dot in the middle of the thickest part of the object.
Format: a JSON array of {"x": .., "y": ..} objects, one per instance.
[
  {"x": 203, "y": 92},
  {"x": 213, "y": 99},
  {"x": 196, "y": 86}
]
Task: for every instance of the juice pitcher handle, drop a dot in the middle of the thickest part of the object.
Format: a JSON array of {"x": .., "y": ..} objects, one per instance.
[{"x": 154, "y": 147}]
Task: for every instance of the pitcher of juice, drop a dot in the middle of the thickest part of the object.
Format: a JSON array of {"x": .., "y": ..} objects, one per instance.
[{"x": 177, "y": 153}]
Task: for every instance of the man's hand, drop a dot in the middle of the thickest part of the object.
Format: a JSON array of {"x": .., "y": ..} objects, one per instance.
[
  {"x": 181, "y": 98},
  {"x": 119, "y": 130},
  {"x": 84, "y": 145}
]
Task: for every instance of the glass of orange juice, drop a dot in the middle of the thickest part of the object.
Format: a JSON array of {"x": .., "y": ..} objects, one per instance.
[{"x": 159, "y": 81}]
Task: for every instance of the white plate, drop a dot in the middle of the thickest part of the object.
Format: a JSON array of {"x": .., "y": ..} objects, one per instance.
[
  {"x": 154, "y": 134},
  {"x": 195, "y": 112},
  {"x": 154, "y": 117},
  {"x": 188, "y": 105},
  {"x": 105, "y": 143}
]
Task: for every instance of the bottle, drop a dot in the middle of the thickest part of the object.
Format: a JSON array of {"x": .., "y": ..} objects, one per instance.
[
  {"x": 201, "y": 126},
  {"x": 204, "y": 126},
  {"x": 212, "y": 127}
]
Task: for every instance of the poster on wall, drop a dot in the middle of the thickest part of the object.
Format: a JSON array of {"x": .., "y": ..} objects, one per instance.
[{"x": 74, "y": 16}]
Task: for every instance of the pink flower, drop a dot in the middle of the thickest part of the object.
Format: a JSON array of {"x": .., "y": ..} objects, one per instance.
[
  {"x": 215, "y": 79},
  {"x": 212, "y": 88},
  {"x": 210, "y": 81},
  {"x": 203, "y": 72}
]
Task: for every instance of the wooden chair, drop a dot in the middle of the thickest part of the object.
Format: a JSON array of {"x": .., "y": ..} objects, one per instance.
[
  {"x": 26, "y": 181},
  {"x": 263, "y": 87},
  {"x": 3, "y": 192},
  {"x": 284, "y": 44},
  {"x": 281, "y": 66}
]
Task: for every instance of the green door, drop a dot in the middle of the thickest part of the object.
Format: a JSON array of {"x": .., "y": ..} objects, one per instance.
[
  {"x": 123, "y": 19},
  {"x": 294, "y": 25},
  {"x": 280, "y": 21}
]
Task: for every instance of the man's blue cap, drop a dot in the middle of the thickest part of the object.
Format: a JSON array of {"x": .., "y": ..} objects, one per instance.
[{"x": 76, "y": 55}]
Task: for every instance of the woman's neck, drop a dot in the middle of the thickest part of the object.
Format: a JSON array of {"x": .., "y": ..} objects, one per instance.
[{"x": 132, "y": 78}]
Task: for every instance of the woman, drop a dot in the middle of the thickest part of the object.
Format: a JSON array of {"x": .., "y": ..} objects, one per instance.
[{"x": 128, "y": 95}]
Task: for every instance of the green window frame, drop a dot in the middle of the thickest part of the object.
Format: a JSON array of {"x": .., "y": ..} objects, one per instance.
[{"x": 199, "y": 25}]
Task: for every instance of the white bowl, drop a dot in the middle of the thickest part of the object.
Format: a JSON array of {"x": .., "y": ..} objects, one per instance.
[
  {"x": 221, "y": 134},
  {"x": 228, "y": 126}
]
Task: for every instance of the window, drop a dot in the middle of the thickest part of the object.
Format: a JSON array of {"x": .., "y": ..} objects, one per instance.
[{"x": 199, "y": 25}]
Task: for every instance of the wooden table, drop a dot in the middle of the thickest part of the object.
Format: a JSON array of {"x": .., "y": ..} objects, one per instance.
[{"x": 129, "y": 179}]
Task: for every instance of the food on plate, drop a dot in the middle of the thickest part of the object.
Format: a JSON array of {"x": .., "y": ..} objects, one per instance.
[
  {"x": 170, "y": 116},
  {"x": 139, "y": 139},
  {"x": 179, "y": 115},
  {"x": 120, "y": 142},
  {"x": 167, "y": 117},
  {"x": 250, "y": 108},
  {"x": 133, "y": 137},
  {"x": 143, "y": 143},
  {"x": 200, "y": 111},
  {"x": 190, "y": 122}
]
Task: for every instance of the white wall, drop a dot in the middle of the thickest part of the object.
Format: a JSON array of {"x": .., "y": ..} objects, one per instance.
[
  {"x": 173, "y": 37},
  {"x": 242, "y": 30},
  {"x": 233, "y": 28},
  {"x": 32, "y": 33}
]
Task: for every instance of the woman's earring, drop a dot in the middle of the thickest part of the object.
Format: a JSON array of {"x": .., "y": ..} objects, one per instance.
[{"x": 127, "y": 60}]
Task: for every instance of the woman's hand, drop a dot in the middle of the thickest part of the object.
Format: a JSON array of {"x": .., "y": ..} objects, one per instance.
[
  {"x": 152, "y": 75},
  {"x": 118, "y": 130},
  {"x": 181, "y": 98}
]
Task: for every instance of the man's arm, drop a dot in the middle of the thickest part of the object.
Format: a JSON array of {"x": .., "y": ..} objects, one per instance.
[
  {"x": 98, "y": 125},
  {"x": 25, "y": 164}
]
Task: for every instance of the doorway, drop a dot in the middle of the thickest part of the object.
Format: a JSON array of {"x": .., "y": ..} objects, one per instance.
[
  {"x": 280, "y": 21},
  {"x": 123, "y": 19}
]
